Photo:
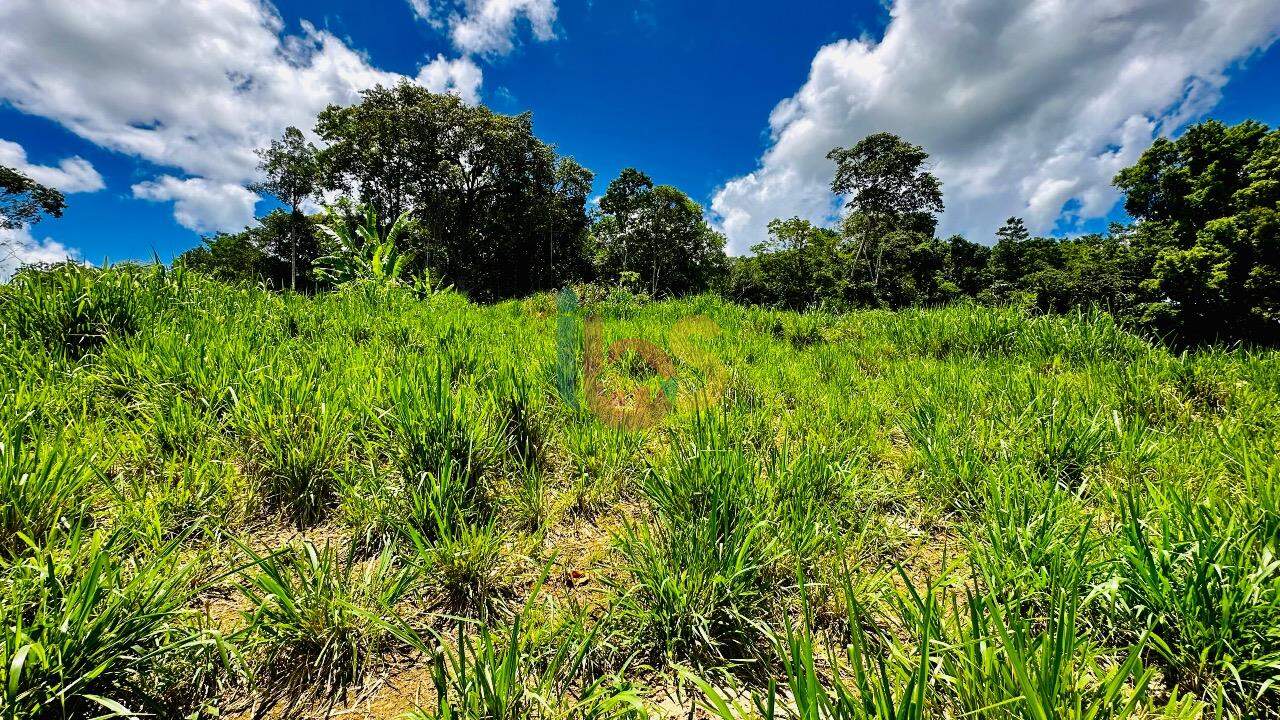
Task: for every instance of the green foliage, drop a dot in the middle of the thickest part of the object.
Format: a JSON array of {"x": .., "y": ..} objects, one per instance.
[
  {"x": 435, "y": 429},
  {"x": 89, "y": 632},
  {"x": 23, "y": 201},
  {"x": 291, "y": 169},
  {"x": 497, "y": 212},
  {"x": 522, "y": 672},
  {"x": 1199, "y": 265},
  {"x": 885, "y": 179},
  {"x": 328, "y": 611},
  {"x": 799, "y": 267},
  {"x": 44, "y": 488},
  {"x": 1082, "y": 523},
  {"x": 658, "y": 233},
  {"x": 296, "y": 439},
  {"x": 457, "y": 550},
  {"x": 254, "y": 254},
  {"x": 72, "y": 310},
  {"x": 358, "y": 251},
  {"x": 1203, "y": 575},
  {"x": 975, "y": 657},
  {"x": 698, "y": 572},
  {"x": 292, "y": 172},
  {"x": 568, "y": 345}
]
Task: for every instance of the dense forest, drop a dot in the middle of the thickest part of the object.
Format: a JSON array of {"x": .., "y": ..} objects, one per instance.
[{"x": 480, "y": 203}]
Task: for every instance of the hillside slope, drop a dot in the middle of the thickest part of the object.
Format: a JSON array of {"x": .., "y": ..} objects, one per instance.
[{"x": 221, "y": 497}]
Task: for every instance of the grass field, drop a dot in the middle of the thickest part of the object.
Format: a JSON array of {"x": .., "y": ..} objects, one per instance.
[{"x": 222, "y": 502}]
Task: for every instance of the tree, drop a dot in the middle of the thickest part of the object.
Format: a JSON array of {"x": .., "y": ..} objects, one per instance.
[
  {"x": 234, "y": 257},
  {"x": 1208, "y": 231},
  {"x": 966, "y": 265},
  {"x": 659, "y": 233},
  {"x": 292, "y": 173},
  {"x": 798, "y": 266},
  {"x": 24, "y": 201},
  {"x": 261, "y": 253},
  {"x": 1193, "y": 180},
  {"x": 497, "y": 212},
  {"x": 1014, "y": 231},
  {"x": 885, "y": 180},
  {"x": 569, "y": 230},
  {"x": 1017, "y": 255}
]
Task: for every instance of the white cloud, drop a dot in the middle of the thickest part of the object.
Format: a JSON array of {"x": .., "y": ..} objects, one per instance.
[
  {"x": 426, "y": 11},
  {"x": 19, "y": 248},
  {"x": 191, "y": 84},
  {"x": 488, "y": 27},
  {"x": 202, "y": 205},
  {"x": 72, "y": 175},
  {"x": 1025, "y": 105},
  {"x": 461, "y": 77}
]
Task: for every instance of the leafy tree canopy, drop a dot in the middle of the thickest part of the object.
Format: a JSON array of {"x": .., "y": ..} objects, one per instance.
[
  {"x": 499, "y": 214},
  {"x": 659, "y": 233},
  {"x": 1208, "y": 206},
  {"x": 885, "y": 179},
  {"x": 292, "y": 172},
  {"x": 24, "y": 201}
]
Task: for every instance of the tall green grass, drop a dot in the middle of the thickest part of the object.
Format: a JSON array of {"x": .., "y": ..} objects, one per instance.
[
  {"x": 44, "y": 486},
  {"x": 298, "y": 437},
  {"x": 317, "y": 618},
  {"x": 959, "y": 512},
  {"x": 90, "y": 633},
  {"x": 697, "y": 572}
]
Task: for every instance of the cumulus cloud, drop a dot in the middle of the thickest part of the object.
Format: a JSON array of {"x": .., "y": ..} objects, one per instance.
[
  {"x": 19, "y": 247},
  {"x": 488, "y": 27},
  {"x": 461, "y": 77},
  {"x": 201, "y": 205},
  {"x": 72, "y": 175},
  {"x": 195, "y": 85},
  {"x": 1028, "y": 107}
]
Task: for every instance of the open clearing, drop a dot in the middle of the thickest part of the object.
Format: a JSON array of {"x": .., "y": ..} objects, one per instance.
[{"x": 376, "y": 501}]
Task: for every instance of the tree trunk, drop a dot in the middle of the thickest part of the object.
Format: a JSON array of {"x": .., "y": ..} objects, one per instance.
[
  {"x": 293, "y": 252},
  {"x": 857, "y": 255}
]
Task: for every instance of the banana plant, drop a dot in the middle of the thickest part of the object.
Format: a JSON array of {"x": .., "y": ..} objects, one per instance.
[{"x": 359, "y": 250}]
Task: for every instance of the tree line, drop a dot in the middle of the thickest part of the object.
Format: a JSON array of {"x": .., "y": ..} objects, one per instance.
[
  {"x": 483, "y": 204},
  {"x": 478, "y": 201},
  {"x": 1200, "y": 261}
]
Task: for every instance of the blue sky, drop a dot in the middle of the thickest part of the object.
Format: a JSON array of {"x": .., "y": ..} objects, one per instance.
[{"x": 1026, "y": 112}]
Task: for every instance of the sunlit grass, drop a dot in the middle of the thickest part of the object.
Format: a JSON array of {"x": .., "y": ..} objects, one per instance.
[{"x": 213, "y": 492}]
